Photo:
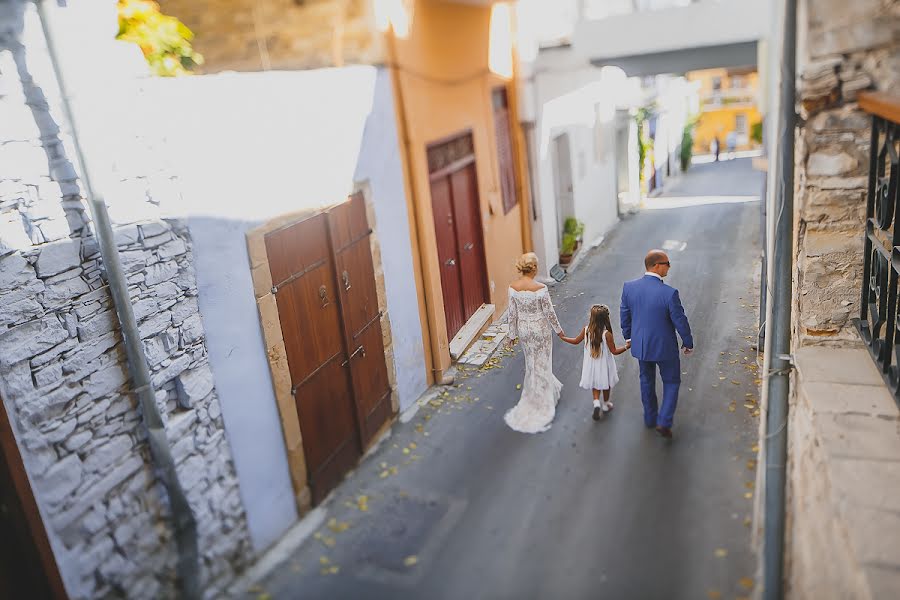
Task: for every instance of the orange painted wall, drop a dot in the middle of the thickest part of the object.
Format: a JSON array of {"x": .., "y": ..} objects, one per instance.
[{"x": 443, "y": 74}]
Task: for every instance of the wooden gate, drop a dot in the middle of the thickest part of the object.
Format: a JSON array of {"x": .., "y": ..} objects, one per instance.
[
  {"x": 324, "y": 284},
  {"x": 457, "y": 225}
]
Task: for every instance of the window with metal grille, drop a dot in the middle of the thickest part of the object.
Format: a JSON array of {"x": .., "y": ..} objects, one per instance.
[{"x": 505, "y": 162}]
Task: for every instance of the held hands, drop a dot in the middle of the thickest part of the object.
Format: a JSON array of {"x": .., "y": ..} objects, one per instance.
[
  {"x": 627, "y": 344},
  {"x": 688, "y": 351}
]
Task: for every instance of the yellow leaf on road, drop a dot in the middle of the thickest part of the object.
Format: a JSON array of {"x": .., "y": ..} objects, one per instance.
[
  {"x": 714, "y": 594},
  {"x": 324, "y": 560},
  {"x": 410, "y": 560},
  {"x": 746, "y": 582},
  {"x": 518, "y": 386},
  {"x": 721, "y": 552}
]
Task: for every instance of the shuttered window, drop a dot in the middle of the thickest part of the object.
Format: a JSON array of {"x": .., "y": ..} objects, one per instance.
[{"x": 505, "y": 162}]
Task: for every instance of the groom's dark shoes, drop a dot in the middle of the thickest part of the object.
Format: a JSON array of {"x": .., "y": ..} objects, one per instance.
[{"x": 664, "y": 431}]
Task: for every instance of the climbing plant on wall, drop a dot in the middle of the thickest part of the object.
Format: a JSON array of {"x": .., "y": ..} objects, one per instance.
[{"x": 164, "y": 40}]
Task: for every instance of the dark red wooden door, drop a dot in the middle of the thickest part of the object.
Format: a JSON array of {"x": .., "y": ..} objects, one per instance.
[
  {"x": 469, "y": 240},
  {"x": 362, "y": 317},
  {"x": 304, "y": 280},
  {"x": 448, "y": 254}
]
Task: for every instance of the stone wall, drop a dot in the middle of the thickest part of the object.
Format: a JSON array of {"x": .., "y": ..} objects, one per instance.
[
  {"x": 844, "y": 495},
  {"x": 843, "y": 48},
  {"x": 247, "y": 35},
  {"x": 63, "y": 372}
]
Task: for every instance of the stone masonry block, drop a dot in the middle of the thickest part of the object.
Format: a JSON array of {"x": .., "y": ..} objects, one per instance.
[
  {"x": 193, "y": 386},
  {"x": 106, "y": 381},
  {"x": 58, "y": 257},
  {"x": 161, "y": 272},
  {"x": 30, "y": 339},
  {"x": 101, "y": 324},
  {"x": 18, "y": 380},
  {"x": 17, "y": 273},
  {"x": 61, "y": 479},
  {"x": 108, "y": 454}
]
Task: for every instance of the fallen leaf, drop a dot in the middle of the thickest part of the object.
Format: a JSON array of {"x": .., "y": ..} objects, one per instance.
[
  {"x": 412, "y": 445},
  {"x": 410, "y": 560},
  {"x": 323, "y": 560},
  {"x": 748, "y": 495},
  {"x": 406, "y": 451},
  {"x": 714, "y": 594},
  {"x": 721, "y": 552},
  {"x": 746, "y": 582},
  {"x": 518, "y": 386},
  {"x": 755, "y": 448}
]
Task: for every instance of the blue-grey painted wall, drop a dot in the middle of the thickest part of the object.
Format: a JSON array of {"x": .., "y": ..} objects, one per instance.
[{"x": 380, "y": 166}]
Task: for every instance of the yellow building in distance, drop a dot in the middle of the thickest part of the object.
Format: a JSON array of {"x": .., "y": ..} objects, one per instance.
[{"x": 728, "y": 109}]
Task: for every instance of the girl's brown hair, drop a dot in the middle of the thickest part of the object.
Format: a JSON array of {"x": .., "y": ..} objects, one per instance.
[{"x": 598, "y": 323}]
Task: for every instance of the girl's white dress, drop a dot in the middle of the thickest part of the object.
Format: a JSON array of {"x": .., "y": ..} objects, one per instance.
[{"x": 598, "y": 373}]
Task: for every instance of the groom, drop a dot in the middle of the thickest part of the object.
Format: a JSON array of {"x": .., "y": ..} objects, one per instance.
[{"x": 652, "y": 312}]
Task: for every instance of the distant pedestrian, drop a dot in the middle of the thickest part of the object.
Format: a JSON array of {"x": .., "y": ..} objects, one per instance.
[
  {"x": 731, "y": 142},
  {"x": 599, "y": 372},
  {"x": 715, "y": 147}
]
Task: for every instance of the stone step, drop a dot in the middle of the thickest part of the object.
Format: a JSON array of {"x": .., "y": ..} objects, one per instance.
[
  {"x": 483, "y": 349},
  {"x": 462, "y": 340}
]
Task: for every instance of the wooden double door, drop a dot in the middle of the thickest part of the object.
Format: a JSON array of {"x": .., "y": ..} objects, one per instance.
[
  {"x": 460, "y": 243},
  {"x": 324, "y": 285}
]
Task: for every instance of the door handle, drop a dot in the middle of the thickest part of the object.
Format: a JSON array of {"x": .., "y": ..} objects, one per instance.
[
  {"x": 469, "y": 246},
  {"x": 346, "y": 277},
  {"x": 355, "y": 352},
  {"x": 450, "y": 263},
  {"x": 323, "y": 295}
]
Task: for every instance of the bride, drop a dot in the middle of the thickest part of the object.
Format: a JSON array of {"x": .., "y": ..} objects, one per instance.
[{"x": 531, "y": 317}]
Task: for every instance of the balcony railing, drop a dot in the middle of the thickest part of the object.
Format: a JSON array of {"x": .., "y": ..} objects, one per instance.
[
  {"x": 879, "y": 318},
  {"x": 728, "y": 97}
]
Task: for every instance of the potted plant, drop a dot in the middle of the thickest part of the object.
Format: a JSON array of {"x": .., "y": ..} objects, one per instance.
[
  {"x": 575, "y": 228},
  {"x": 567, "y": 248}
]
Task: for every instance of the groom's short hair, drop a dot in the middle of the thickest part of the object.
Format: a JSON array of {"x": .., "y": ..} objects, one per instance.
[{"x": 654, "y": 257}]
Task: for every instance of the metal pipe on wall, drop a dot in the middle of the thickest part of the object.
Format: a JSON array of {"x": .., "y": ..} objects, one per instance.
[
  {"x": 778, "y": 361},
  {"x": 183, "y": 521}
]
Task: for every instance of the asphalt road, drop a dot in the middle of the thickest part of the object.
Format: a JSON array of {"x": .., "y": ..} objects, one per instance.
[{"x": 454, "y": 505}]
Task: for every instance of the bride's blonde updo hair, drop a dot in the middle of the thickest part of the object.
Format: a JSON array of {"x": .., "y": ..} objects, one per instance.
[{"x": 527, "y": 263}]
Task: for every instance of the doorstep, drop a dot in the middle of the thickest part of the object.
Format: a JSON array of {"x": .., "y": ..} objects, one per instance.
[
  {"x": 464, "y": 338},
  {"x": 481, "y": 351}
]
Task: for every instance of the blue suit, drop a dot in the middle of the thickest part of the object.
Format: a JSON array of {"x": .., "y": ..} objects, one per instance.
[{"x": 651, "y": 313}]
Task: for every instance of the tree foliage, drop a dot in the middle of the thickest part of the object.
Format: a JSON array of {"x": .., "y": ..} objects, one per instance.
[{"x": 164, "y": 40}]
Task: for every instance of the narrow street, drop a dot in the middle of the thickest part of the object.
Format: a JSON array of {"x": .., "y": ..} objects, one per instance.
[{"x": 455, "y": 505}]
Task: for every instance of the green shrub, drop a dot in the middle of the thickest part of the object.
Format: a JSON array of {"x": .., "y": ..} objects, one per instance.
[
  {"x": 756, "y": 132},
  {"x": 568, "y": 244},
  {"x": 164, "y": 40},
  {"x": 573, "y": 226}
]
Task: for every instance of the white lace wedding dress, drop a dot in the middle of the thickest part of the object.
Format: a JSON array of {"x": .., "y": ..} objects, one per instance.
[{"x": 532, "y": 320}]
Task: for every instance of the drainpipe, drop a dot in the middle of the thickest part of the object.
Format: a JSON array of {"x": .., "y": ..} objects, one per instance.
[
  {"x": 778, "y": 361},
  {"x": 183, "y": 520}
]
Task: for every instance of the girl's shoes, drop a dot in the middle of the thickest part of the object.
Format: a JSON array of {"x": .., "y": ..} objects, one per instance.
[
  {"x": 597, "y": 409},
  {"x": 607, "y": 406}
]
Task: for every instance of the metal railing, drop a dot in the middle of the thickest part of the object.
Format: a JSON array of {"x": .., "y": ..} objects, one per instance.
[{"x": 879, "y": 318}]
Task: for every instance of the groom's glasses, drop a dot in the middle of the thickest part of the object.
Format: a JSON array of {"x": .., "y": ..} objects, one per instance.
[{"x": 667, "y": 263}]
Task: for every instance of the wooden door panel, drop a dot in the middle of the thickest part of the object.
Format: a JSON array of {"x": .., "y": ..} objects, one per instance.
[
  {"x": 356, "y": 278},
  {"x": 470, "y": 239},
  {"x": 309, "y": 324},
  {"x": 348, "y": 222},
  {"x": 293, "y": 249},
  {"x": 325, "y": 407},
  {"x": 448, "y": 256},
  {"x": 371, "y": 381}
]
